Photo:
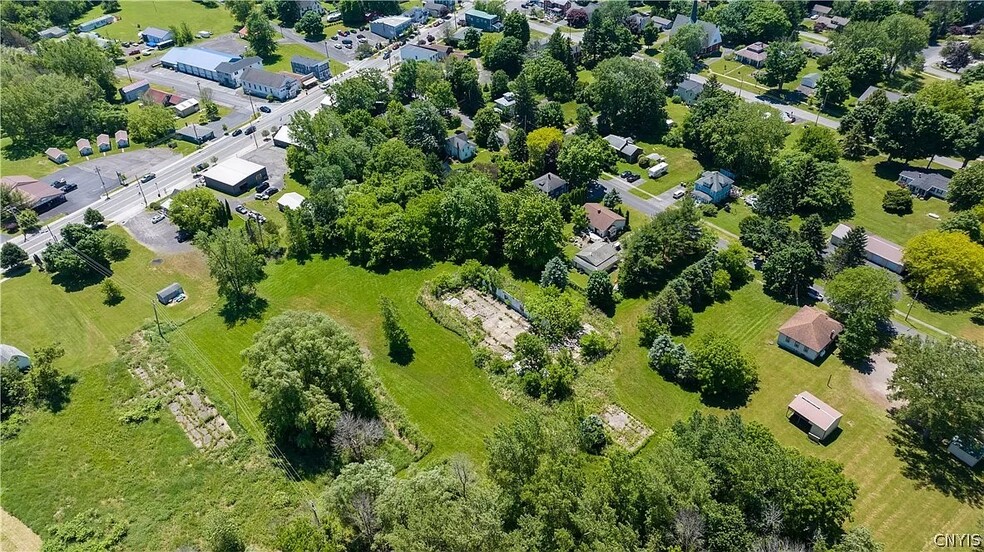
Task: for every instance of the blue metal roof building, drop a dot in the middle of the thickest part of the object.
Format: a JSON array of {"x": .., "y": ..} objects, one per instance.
[{"x": 205, "y": 63}]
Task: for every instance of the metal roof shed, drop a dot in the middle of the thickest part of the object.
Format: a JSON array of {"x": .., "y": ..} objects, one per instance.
[
  {"x": 821, "y": 417},
  {"x": 170, "y": 293}
]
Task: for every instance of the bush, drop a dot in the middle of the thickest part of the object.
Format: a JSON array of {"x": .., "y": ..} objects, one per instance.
[
  {"x": 112, "y": 294},
  {"x": 645, "y": 162},
  {"x": 977, "y": 315},
  {"x": 592, "y": 434},
  {"x": 594, "y": 346},
  {"x": 674, "y": 138},
  {"x": 650, "y": 329},
  {"x": 898, "y": 202},
  {"x": 676, "y": 99},
  {"x": 709, "y": 210}
]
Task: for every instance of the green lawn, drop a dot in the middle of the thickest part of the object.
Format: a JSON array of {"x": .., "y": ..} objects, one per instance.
[
  {"x": 281, "y": 60},
  {"x": 903, "y": 513},
  {"x": 135, "y": 15},
  {"x": 39, "y": 165}
]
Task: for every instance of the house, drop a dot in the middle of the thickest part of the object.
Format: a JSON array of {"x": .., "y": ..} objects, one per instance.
[
  {"x": 234, "y": 176},
  {"x": 821, "y": 418},
  {"x": 84, "y": 146},
  {"x": 196, "y": 134},
  {"x": 290, "y": 201},
  {"x": 624, "y": 147},
  {"x": 551, "y": 184},
  {"x": 892, "y": 96},
  {"x": 39, "y": 195},
  {"x": 10, "y": 354},
  {"x": 390, "y": 27},
  {"x": 967, "y": 450},
  {"x": 154, "y": 37},
  {"x": 160, "y": 97},
  {"x": 713, "y": 187},
  {"x": 132, "y": 92},
  {"x": 209, "y": 64},
  {"x": 814, "y": 50},
  {"x": 103, "y": 143},
  {"x": 688, "y": 91},
  {"x": 487, "y": 22},
  {"x": 661, "y": 23},
  {"x": 100, "y": 41},
  {"x": 596, "y": 256},
  {"x": 460, "y": 147},
  {"x": 321, "y": 69},
  {"x": 754, "y": 54},
  {"x": 557, "y": 7},
  {"x": 637, "y": 22},
  {"x": 820, "y": 10},
  {"x": 810, "y": 333},
  {"x": 506, "y": 104},
  {"x": 925, "y": 184},
  {"x": 603, "y": 221},
  {"x": 449, "y": 3},
  {"x": 808, "y": 86},
  {"x": 264, "y": 84},
  {"x": 283, "y": 138},
  {"x": 436, "y": 9},
  {"x": 170, "y": 293},
  {"x": 878, "y": 250},
  {"x": 417, "y": 52},
  {"x": 304, "y": 6},
  {"x": 122, "y": 139},
  {"x": 823, "y": 23},
  {"x": 186, "y": 107},
  {"x": 52, "y": 32},
  {"x": 442, "y": 50},
  {"x": 712, "y": 34},
  {"x": 94, "y": 24},
  {"x": 56, "y": 155},
  {"x": 417, "y": 14}
]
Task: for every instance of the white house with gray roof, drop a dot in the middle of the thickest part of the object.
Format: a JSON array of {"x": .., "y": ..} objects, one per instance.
[{"x": 264, "y": 84}]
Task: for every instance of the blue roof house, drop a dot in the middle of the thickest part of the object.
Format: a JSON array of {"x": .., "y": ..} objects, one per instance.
[
  {"x": 487, "y": 22},
  {"x": 713, "y": 186},
  {"x": 157, "y": 37}
]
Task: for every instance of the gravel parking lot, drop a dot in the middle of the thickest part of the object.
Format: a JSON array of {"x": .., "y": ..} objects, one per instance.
[
  {"x": 275, "y": 161},
  {"x": 161, "y": 238}
]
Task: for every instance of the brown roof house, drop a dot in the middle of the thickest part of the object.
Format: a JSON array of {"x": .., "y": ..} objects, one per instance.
[
  {"x": 754, "y": 54},
  {"x": 810, "y": 333},
  {"x": 821, "y": 418},
  {"x": 38, "y": 194},
  {"x": 603, "y": 221},
  {"x": 56, "y": 155}
]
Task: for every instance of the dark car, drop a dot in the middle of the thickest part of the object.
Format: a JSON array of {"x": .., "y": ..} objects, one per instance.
[
  {"x": 61, "y": 182},
  {"x": 262, "y": 186},
  {"x": 265, "y": 109},
  {"x": 237, "y": 132},
  {"x": 270, "y": 191},
  {"x": 629, "y": 176},
  {"x": 250, "y": 129},
  {"x": 201, "y": 166},
  {"x": 69, "y": 187},
  {"x": 241, "y": 209}
]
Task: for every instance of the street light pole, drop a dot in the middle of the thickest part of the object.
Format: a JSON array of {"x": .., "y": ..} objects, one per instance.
[{"x": 101, "y": 181}]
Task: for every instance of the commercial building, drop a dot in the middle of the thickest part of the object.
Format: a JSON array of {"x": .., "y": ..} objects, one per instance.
[
  {"x": 196, "y": 134},
  {"x": 39, "y": 195},
  {"x": 234, "y": 176},
  {"x": 132, "y": 92},
  {"x": 308, "y": 66},
  {"x": 210, "y": 64},
  {"x": 231, "y": 72},
  {"x": 264, "y": 84},
  {"x": 390, "y": 27},
  {"x": 878, "y": 250},
  {"x": 283, "y": 138},
  {"x": 488, "y": 22},
  {"x": 820, "y": 418},
  {"x": 186, "y": 107}
]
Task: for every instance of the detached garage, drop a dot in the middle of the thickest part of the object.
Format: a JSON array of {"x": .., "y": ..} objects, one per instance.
[
  {"x": 234, "y": 176},
  {"x": 170, "y": 293}
]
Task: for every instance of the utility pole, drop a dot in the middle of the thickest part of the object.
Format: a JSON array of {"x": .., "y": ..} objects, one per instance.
[
  {"x": 159, "y": 331},
  {"x": 822, "y": 105},
  {"x": 101, "y": 181}
]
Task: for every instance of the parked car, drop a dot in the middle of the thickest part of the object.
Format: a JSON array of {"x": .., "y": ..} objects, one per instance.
[
  {"x": 338, "y": 46},
  {"x": 265, "y": 109},
  {"x": 386, "y": 55},
  {"x": 629, "y": 176},
  {"x": 146, "y": 52},
  {"x": 349, "y": 46},
  {"x": 241, "y": 209},
  {"x": 59, "y": 183},
  {"x": 679, "y": 193},
  {"x": 346, "y": 41},
  {"x": 271, "y": 191},
  {"x": 148, "y": 177},
  {"x": 201, "y": 166},
  {"x": 250, "y": 130},
  {"x": 260, "y": 196},
  {"x": 814, "y": 294},
  {"x": 334, "y": 37},
  {"x": 157, "y": 218},
  {"x": 751, "y": 200},
  {"x": 262, "y": 186},
  {"x": 237, "y": 132},
  {"x": 69, "y": 187},
  {"x": 360, "y": 35}
]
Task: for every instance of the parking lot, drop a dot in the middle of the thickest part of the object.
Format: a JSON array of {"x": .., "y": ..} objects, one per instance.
[
  {"x": 131, "y": 164},
  {"x": 161, "y": 238}
]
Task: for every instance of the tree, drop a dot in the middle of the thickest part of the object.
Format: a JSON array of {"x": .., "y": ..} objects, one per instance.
[
  {"x": 196, "y": 210},
  {"x": 956, "y": 54},
  {"x": 967, "y": 222},
  {"x": 517, "y": 146},
  {"x": 92, "y": 217},
  {"x": 833, "y": 87},
  {"x": 690, "y": 38},
  {"x": 550, "y": 114},
  {"x": 506, "y": 54},
  {"x": 577, "y": 18},
  {"x": 112, "y": 294},
  {"x": 907, "y": 129},
  {"x": 28, "y": 222},
  {"x": 287, "y": 12},
  {"x": 898, "y": 202},
  {"x": 240, "y": 9},
  {"x": 555, "y": 314},
  {"x": 722, "y": 369},
  {"x": 149, "y": 123},
  {"x": 946, "y": 266},
  {"x": 533, "y": 229},
  {"x": 591, "y": 431},
  {"x": 744, "y": 22},
  {"x": 549, "y": 77},
  {"x": 948, "y": 97},
  {"x": 424, "y": 128},
  {"x": 396, "y": 336},
  {"x": 442, "y": 96},
  {"x": 607, "y": 35},
  {"x": 234, "y": 263},
  {"x": 966, "y": 188},
  {"x": 46, "y": 387},
  {"x": 664, "y": 245},
  {"x": 675, "y": 66},
  {"x": 600, "y": 291},
  {"x": 310, "y": 25},
  {"x": 543, "y": 146},
  {"x": 81, "y": 58},
  {"x": 907, "y": 37},
  {"x": 486, "y": 122},
  {"x": 734, "y": 260},
  {"x": 525, "y": 108},
  {"x": 305, "y": 370},
  {"x": 583, "y": 159},
  {"x": 584, "y": 121},
  {"x": 863, "y": 298},
  {"x": 851, "y": 252},
  {"x": 499, "y": 84},
  {"x": 12, "y": 256},
  {"x": 858, "y": 539},
  {"x": 516, "y": 26},
  {"x": 559, "y": 47},
  {"x": 629, "y": 96},
  {"x": 260, "y": 35},
  {"x": 471, "y": 39},
  {"x": 790, "y": 270},
  {"x": 531, "y": 352},
  {"x": 930, "y": 373},
  {"x": 784, "y": 62},
  {"x": 820, "y": 142},
  {"x": 405, "y": 81}
]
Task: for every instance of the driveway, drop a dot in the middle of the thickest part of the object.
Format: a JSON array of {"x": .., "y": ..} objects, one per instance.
[
  {"x": 161, "y": 238},
  {"x": 650, "y": 206}
]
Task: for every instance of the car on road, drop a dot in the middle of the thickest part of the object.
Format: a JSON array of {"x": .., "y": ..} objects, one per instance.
[
  {"x": 629, "y": 176},
  {"x": 69, "y": 187},
  {"x": 814, "y": 294},
  {"x": 386, "y": 55},
  {"x": 265, "y": 109},
  {"x": 60, "y": 183},
  {"x": 237, "y": 132},
  {"x": 157, "y": 218},
  {"x": 201, "y": 166},
  {"x": 679, "y": 193},
  {"x": 241, "y": 209},
  {"x": 250, "y": 130},
  {"x": 146, "y": 52},
  {"x": 148, "y": 177}
]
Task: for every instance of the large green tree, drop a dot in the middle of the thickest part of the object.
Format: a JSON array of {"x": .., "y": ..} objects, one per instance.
[
  {"x": 533, "y": 229},
  {"x": 658, "y": 249},
  {"x": 722, "y": 369},
  {"x": 260, "y": 35},
  {"x": 628, "y": 94},
  {"x": 907, "y": 37},
  {"x": 196, "y": 210},
  {"x": 863, "y": 298},
  {"x": 967, "y": 188},
  {"x": 234, "y": 263},
  {"x": 946, "y": 266},
  {"x": 784, "y": 62},
  {"x": 150, "y": 122},
  {"x": 515, "y": 25},
  {"x": 583, "y": 158}
]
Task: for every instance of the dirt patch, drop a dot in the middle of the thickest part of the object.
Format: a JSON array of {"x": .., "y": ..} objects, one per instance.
[
  {"x": 624, "y": 429},
  {"x": 194, "y": 412},
  {"x": 14, "y": 535},
  {"x": 500, "y": 323},
  {"x": 874, "y": 384}
]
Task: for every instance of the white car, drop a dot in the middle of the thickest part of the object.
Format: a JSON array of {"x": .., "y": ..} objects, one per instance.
[
  {"x": 679, "y": 193},
  {"x": 751, "y": 200},
  {"x": 157, "y": 218}
]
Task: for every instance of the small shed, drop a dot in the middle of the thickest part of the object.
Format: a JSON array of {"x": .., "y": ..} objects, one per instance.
[
  {"x": 84, "y": 146},
  {"x": 170, "y": 293},
  {"x": 821, "y": 418},
  {"x": 11, "y": 354},
  {"x": 290, "y": 201},
  {"x": 103, "y": 143},
  {"x": 970, "y": 451},
  {"x": 122, "y": 139},
  {"x": 56, "y": 155}
]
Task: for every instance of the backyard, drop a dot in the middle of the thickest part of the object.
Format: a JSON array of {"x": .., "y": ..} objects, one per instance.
[{"x": 132, "y": 17}]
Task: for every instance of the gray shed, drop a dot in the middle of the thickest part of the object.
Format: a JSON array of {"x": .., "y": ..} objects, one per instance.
[{"x": 170, "y": 293}]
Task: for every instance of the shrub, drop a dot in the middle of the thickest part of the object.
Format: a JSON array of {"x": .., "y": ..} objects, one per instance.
[
  {"x": 709, "y": 210},
  {"x": 898, "y": 202},
  {"x": 594, "y": 346},
  {"x": 592, "y": 434},
  {"x": 645, "y": 162},
  {"x": 112, "y": 294},
  {"x": 977, "y": 315}
]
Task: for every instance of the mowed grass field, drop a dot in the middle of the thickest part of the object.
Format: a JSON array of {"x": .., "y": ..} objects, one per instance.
[
  {"x": 280, "y": 61},
  {"x": 903, "y": 513},
  {"x": 136, "y": 15}
]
